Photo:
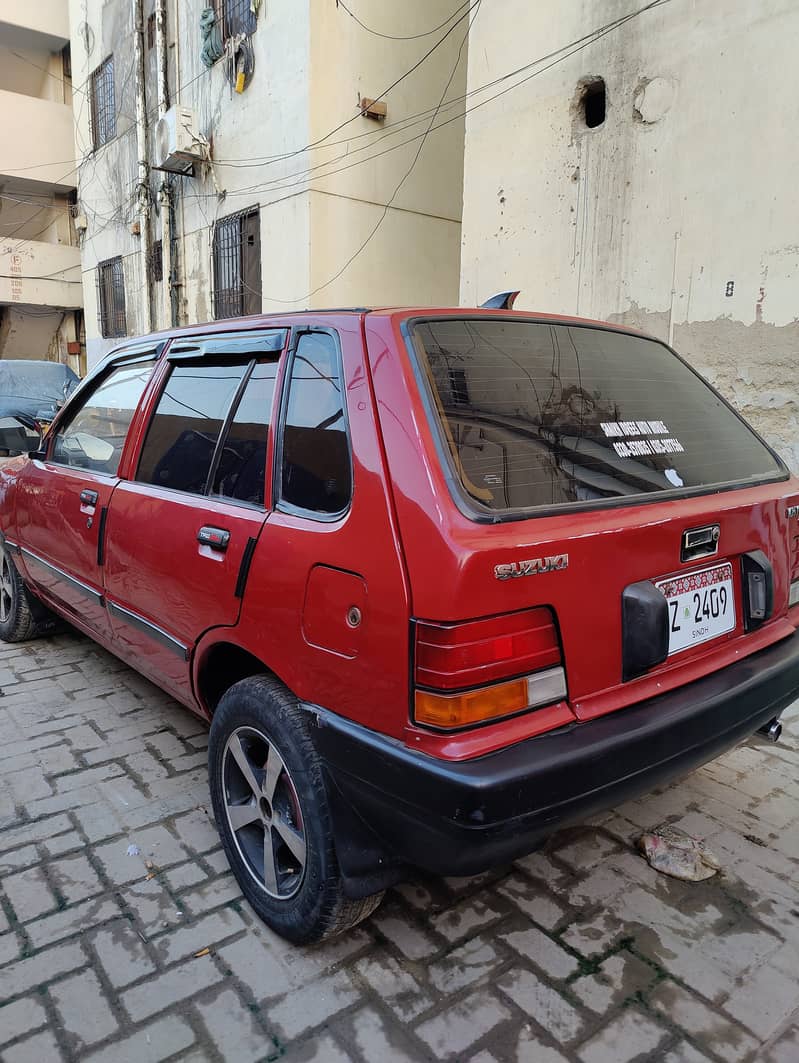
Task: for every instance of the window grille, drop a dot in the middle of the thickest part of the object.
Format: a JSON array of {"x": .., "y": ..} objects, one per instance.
[
  {"x": 237, "y": 264},
  {"x": 103, "y": 110},
  {"x": 155, "y": 265},
  {"x": 235, "y": 16},
  {"x": 111, "y": 297}
]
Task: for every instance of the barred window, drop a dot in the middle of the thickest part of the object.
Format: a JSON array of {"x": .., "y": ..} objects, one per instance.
[
  {"x": 155, "y": 263},
  {"x": 235, "y": 16},
  {"x": 237, "y": 264},
  {"x": 103, "y": 109},
  {"x": 111, "y": 298}
]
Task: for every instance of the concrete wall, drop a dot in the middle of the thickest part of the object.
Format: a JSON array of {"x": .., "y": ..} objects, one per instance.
[
  {"x": 37, "y": 139},
  {"x": 35, "y": 273},
  {"x": 678, "y": 214},
  {"x": 311, "y": 62},
  {"x": 44, "y": 19},
  {"x": 40, "y": 283},
  {"x": 414, "y": 255}
]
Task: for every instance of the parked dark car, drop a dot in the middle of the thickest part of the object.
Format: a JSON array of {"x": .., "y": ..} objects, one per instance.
[
  {"x": 34, "y": 389},
  {"x": 441, "y": 581}
]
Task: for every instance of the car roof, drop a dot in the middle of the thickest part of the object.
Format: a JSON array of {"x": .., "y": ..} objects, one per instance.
[{"x": 279, "y": 319}]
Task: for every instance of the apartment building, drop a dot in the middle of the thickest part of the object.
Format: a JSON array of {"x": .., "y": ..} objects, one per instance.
[
  {"x": 40, "y": 284},
  {"x": 255, "y": 155},
  {"x": 639, "y": 166}
]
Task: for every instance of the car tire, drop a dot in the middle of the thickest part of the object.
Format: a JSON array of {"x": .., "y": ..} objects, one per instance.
[
  {"x": 21, "y": 616},
  {"x": 272, "y": 812}
]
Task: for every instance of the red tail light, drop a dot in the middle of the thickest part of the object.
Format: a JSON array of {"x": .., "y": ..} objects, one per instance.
[
  {"x": 454, "y": 656},
  {"x": 475, "y": 657}
]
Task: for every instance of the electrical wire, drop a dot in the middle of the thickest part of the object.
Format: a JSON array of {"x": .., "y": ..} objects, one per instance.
[
  {"x": 397, "y": 36},
  {"x": 288, "y": 182},
  {"x": 414, "y": 119}
]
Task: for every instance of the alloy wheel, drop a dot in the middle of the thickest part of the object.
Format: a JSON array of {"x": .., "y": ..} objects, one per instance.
[
  {"x": 263, "y": 811},
  {"x": 6, "y": 587}
]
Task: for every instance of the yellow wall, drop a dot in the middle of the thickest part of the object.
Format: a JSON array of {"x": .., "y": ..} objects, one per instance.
[{"x": 414, "y": 255}]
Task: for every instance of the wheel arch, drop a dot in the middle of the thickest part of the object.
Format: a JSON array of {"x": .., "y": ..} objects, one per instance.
[{"x": 220, "y": 663}]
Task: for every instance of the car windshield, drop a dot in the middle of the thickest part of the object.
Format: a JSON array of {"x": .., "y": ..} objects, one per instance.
[{"x": 537, "y": 414}]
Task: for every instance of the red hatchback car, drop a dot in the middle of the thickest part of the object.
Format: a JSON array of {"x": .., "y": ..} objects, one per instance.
[{"x": 440, "y": 581}]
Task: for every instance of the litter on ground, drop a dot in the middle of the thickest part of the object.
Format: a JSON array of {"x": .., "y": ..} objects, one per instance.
[{"x": 672, "y": 851}]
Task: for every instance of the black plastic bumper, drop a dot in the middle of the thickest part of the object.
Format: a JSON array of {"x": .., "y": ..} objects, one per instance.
[{"x": 393, "y": 806}]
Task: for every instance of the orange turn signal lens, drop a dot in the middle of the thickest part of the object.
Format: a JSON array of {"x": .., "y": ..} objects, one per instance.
[{"x": 475, "y": 706}]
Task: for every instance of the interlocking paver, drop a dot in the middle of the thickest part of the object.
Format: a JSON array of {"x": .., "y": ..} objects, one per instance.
[
  {"x": 697, "y": 1018},
  {"x": 71, "y": 921},
  {"x": 42, "y": 1046},
  {"x": 545, "y": 953},
  {"x": 313, "y": 1004},
  {"x": 395, "y": 986},
  {"x": 467, "y": 964},
  {"x": 160, "y": 1040},
  {"x": 630, "y": 1036},
  {"x": 36, "y": 970},
  {"x": 577, "y": 954},
  {"x": 169, "y": 988},
  {"x": 122, "y": 954},
  {"x": 235, "y": 1029},
  {"x": 23, "y": 1016},
  {"x": 83, "y": 1008},
  {"x": 29, "y": 893},
  {"x": 542, "y": 1002},
  {"x": 456, "y": 1029}
]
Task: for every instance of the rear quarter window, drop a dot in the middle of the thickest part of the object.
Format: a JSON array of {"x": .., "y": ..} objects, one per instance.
[{"x": 534, "y": 415}]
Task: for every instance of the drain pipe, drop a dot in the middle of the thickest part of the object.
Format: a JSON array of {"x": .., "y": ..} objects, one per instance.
[
  {"x": 143, "y": 183},
  {"x": 165, "y": 192}
]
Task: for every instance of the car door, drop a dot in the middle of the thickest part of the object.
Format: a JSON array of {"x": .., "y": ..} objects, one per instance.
[
  {"x": 63, "y": 498},
  {"x": 182, "y": 529}
]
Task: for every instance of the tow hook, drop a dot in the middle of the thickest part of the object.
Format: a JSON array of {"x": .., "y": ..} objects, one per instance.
[{"x": 771, "y": 730}]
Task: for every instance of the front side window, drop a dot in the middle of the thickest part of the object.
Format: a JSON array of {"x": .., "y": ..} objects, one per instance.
[
  {"x": 183, "y": 433},
  {"x": 95, "y": 434},
  {"x": 542, "y": 414},
  {"x": 237, "y": 264},
  {"x": 316, "y": 473},
  {"x": 111, "y": 298},
  {"x": 103, "y": 109}
]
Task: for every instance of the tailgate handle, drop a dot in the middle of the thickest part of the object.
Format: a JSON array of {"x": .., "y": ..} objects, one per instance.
[
  {"x": 216, "y": 538},
  {"x": 700, "y": 542},
  {"x": 89, "y": 498}
]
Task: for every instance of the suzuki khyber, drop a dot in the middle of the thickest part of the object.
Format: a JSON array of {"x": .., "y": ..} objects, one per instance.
[{"x": 440, "y": 580}]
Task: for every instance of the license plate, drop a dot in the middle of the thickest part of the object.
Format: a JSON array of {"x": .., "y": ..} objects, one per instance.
[{"x": 701, "y": 606}]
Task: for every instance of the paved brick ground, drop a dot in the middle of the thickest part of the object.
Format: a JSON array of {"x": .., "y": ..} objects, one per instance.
[{"x": 580, "y": 952}]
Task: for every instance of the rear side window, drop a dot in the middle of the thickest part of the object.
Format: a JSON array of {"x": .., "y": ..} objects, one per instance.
[
  {"x": 185, "y": 427},
  {"x": 315, "y": 462},
  {"x": 534, "y": 415},
  {"x": 241, "y": 468},
  {"x": 95, "y": 434}
]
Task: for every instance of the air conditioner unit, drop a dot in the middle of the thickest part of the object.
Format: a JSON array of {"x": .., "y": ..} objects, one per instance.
[{"x": 178, "y": 145}]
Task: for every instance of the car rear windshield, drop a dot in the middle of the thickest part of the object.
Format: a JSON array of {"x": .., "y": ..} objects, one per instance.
[{"x": 537, "y": 414}]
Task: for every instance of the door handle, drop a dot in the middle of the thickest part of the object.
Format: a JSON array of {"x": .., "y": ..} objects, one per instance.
[
  {"x": 216, "y": 538},
  {"x": 89, "y": 498}
]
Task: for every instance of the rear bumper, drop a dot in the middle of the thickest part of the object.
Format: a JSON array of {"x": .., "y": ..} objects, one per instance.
[{"x": 394, "y": 806}]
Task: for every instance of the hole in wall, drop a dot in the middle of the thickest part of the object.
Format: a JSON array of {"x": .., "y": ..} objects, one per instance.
[{"x": 593, "y": 102}]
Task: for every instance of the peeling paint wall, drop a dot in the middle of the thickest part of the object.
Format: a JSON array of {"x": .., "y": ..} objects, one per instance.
[{"x": 678, "y": 213}]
